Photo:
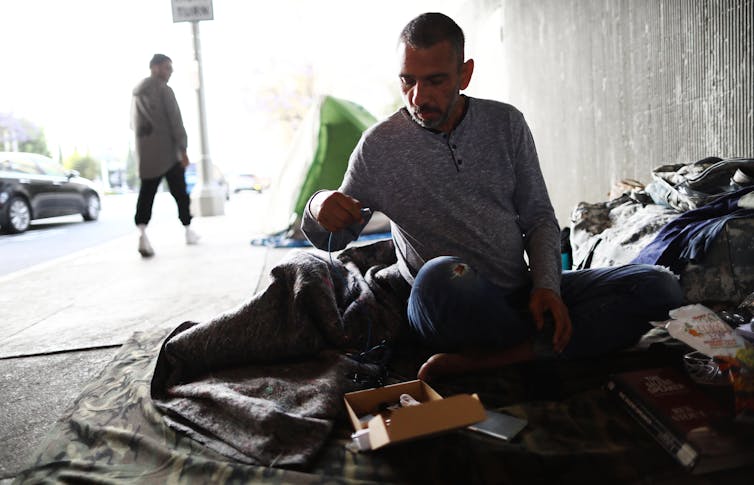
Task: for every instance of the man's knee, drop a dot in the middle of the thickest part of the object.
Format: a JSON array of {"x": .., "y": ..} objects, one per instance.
[
  {"x": 430, "y": 284},
  {"x": 435, "y": 300},
  {"x": 440, "y": 267},
  {"x": 660, "y": 284},
  {"x": 436, "y": 274}
]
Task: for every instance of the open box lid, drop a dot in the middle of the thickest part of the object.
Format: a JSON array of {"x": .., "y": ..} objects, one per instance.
[{"x": 435, "y": 414}]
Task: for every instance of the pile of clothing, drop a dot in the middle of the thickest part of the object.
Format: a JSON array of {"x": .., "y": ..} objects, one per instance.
[{"x": 696, "y": 219}]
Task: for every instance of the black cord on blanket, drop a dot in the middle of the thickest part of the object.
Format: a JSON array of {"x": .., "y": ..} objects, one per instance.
[
  {"x": 367, "y": 356},
  {"x": 335, "y": 270},
  {"x": 374, "y": 357}
]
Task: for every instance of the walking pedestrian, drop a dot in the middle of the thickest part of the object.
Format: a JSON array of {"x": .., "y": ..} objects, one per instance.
[{"x": 160, "y": 148}]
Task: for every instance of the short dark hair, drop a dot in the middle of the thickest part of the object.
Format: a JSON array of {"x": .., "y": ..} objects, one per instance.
[
  {"x": 429, "y": 29},
  {"x": 158, "y": 59}
]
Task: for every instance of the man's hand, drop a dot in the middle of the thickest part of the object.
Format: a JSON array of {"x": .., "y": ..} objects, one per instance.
[
  {"x": 335, "y": 211},
  {"x": 543, "y": 300},
  {"x": 184, "y": 160}
]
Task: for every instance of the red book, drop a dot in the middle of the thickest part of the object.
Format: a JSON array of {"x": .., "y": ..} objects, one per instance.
[{"x": 690, "y": 424}]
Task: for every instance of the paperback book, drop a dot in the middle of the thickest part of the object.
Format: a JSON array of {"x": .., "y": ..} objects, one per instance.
[{"x": 694, "y": 427}]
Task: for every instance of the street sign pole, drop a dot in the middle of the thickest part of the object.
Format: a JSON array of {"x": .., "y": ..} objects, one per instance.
[{"x": 206, "y": 197}]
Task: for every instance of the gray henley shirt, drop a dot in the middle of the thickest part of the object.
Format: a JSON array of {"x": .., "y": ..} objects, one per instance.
[{"x": 476, "y": 193}]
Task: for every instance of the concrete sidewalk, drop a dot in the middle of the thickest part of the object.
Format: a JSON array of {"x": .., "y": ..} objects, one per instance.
[{"x": 62, "y": 321}]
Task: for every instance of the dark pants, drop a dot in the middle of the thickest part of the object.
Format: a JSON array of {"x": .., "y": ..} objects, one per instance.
[
  {"x": 176, "y": 179},
  {"x": 452, "y": 307}
]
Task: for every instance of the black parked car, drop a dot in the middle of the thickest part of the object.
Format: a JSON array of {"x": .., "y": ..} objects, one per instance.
[{"x": 33, "y": 186}]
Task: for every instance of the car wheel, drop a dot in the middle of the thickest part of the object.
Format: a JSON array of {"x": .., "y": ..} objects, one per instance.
[
  {"x": 17, "y": 215},
  {"x": 91, "y": 207}
]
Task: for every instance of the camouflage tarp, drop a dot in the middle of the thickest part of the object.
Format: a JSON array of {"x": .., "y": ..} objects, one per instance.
[
  {"x": 727, "y": 273},
  {"x": 576, "y": 434}
]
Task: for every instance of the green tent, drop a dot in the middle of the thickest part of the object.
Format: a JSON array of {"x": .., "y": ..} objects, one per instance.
[{"x": 317, "y": 160}]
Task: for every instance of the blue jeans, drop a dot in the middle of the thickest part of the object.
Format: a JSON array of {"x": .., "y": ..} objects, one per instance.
[{"x": 452, "y": 307}]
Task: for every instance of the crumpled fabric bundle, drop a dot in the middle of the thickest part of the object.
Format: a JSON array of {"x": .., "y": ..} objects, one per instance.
[
  {"x": 689, "y": 237},
  {"x": 264, "y": 383},
  {"x": 688, "y": 186}
]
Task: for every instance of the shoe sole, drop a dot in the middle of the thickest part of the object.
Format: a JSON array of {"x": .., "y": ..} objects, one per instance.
[{"x": 146, "y": 254}]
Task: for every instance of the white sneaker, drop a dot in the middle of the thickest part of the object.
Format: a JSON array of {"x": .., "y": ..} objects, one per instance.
[
  {"x": 191, "y": 237},
  {"x": 145, "y": 249}
]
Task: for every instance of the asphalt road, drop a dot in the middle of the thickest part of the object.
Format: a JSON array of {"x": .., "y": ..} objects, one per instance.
[{"x": 49, "y": 239}]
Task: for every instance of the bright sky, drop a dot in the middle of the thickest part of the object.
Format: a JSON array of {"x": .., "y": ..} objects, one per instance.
[{"x": 70, "y": 66}]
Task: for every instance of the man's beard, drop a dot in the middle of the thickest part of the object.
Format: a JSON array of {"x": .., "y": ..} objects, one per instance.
[{"x": 432, "y": 124}]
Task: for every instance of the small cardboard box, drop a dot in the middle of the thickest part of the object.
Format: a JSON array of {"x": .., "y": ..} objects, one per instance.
[{"x": 434, "y": 414}]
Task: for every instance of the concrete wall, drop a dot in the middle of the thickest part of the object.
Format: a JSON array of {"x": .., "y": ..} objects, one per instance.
[{"x": 614, "y": 88}]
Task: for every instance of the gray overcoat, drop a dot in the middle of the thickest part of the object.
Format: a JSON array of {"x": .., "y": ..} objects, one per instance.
[{"x": 157, "y": 123}]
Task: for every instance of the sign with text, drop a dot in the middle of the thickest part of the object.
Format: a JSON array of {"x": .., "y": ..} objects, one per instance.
[{"x": 192, "y": 10}]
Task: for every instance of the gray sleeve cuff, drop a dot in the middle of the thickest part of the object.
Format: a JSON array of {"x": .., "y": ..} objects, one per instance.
[
  {"x": 320, "y": 237},
  {"x": 543, "y": 249}
]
